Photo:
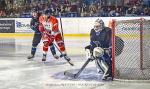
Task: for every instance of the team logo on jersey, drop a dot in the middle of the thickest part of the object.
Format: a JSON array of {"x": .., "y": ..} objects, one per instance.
[{"x": 47, "y": 26}]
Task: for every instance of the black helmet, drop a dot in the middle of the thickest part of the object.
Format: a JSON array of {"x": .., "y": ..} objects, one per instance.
[
  {"x": 35, "y": 10},
  {"x": 47, "y": 12}
]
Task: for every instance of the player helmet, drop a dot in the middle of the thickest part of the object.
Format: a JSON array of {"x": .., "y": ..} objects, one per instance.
[
  {"x": 47, "y": 12},
  {"x": 98, "y": 25},
  {"x": 34, "y": 13},
  {"x": 34, "y": 10}
]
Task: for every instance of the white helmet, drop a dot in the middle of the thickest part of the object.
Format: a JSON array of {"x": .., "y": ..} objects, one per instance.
[
  {"x": 98, "y": 25},
  {"x": 98, "y": 52}
]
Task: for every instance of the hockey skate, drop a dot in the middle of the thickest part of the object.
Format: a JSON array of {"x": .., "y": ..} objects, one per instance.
[
  {"x": 44, "y": 57},
  {"x": 30, "y": 57},
  {"x": 56, "y": 56},
  {"x": 107, "y": 78}
]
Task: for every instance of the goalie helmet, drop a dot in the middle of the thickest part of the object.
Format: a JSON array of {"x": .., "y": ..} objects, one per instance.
[
  {"x": 98, "y": 25},
  {"x": 98, "y": 52}
]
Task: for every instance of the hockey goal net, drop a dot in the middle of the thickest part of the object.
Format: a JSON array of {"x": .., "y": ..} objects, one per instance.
[{"x": 133, "y": 61}]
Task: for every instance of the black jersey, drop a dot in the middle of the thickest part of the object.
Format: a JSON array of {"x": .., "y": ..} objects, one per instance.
[
  {"x": 100, "y": 39},
  {"x": 34, "y": 23}
]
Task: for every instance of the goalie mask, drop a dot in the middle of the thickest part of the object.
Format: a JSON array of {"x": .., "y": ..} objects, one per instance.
[
  {"x": 98, "y": 52},
  {"x": 98, "y": 25}
]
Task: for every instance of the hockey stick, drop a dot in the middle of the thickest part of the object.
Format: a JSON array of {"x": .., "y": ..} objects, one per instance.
[
  {"x": 67, "y": 59},
  {"x": 62, "y": 34},
  {"x": 58, "y": 8},
  {"x": 66, "y": 73}
]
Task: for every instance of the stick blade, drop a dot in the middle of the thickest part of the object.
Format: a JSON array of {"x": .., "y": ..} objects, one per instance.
[
  {"x": 69, "y": 61},
  {"x": 68, "y": 74}
]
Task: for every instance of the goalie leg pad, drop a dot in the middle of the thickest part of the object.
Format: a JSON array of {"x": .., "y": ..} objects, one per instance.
[
  {"x": 106, "y": 68},
  {"x": 98, "y": 66}
]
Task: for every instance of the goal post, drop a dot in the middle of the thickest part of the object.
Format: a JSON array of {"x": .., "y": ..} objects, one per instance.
[{"x": 133, "y": 61}]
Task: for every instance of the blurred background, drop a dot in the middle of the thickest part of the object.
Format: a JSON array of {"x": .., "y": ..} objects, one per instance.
[{"x": 76, "y": 8}]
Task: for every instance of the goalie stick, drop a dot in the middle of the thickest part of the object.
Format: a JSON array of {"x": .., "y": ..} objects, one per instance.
[
  {"x": 67, "y": 59},
  {"x": 66, "y": 73}
]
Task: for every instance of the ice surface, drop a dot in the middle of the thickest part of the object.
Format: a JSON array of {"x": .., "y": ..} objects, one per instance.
[{"x": 18, "y": 73}]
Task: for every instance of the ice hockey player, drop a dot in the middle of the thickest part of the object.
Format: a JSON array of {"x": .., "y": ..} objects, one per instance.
[
  {"x": 34, "y": 25},
  {"x": 100, "y": 48},
  {"x": 50, "y": 33}
]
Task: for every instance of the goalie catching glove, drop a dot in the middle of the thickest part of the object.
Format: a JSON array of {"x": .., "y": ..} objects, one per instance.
[{"x": 98, "y": 52}]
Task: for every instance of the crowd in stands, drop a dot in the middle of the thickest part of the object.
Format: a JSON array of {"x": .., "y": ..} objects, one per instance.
[{"x": 76, "y": 8}]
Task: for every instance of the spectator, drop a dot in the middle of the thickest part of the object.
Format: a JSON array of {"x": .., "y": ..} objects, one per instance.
[
  {"x": 93, "y": 9},
  {"x": 84, "y": 10},
  {"x": 77, "y": 7},
  {"x": 3, "y": 4},
  {"x": 146, "y": 12},
  {"x": 2, "y": 13},
  {"x": 103, "y": 12},
  {"x": 112, "y": 13}
]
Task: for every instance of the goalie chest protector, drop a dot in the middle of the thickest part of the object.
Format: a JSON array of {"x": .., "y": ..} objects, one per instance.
[{"x": 104, "y": 37}]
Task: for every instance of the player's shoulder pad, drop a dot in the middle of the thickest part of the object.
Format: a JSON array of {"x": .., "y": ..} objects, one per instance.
[
  {"x": 107, "y": 29},
  {"x": 92, "y": 30},
  {"x": 39, "y": 15},
  {"x": 52, "y": 17},
  {"x": 41, "y": 18}
]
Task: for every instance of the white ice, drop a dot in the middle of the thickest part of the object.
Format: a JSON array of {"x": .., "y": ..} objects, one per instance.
[{"x": 18, "y": 73}]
